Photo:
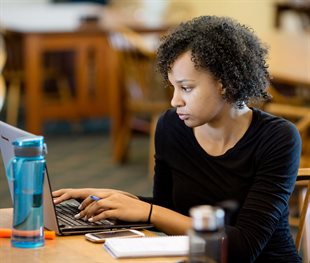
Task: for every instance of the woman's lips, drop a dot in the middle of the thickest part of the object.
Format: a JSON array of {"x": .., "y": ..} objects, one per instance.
[{"x": 183, "y": 117}]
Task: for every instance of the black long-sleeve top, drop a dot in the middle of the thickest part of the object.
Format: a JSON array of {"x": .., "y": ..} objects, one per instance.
[{"x": 259, "y": 173}]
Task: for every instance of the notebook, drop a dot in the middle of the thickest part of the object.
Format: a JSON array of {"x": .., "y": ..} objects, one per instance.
[
  {"x": 147, "y": 246},
  {"x": 59, "y": 218}
]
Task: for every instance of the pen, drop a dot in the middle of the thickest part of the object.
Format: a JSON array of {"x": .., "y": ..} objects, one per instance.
[
  {"x": 95, "y": 198},
  {"x": 7, "y": 232}
]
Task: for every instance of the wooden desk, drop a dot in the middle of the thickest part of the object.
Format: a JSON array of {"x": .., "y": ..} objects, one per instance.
[
  {"x": 62, "y": 249},
  {"x": 55, "y": 28},
  {"x": 289, "y": 57},
  {"x": 94, "y": 91}
]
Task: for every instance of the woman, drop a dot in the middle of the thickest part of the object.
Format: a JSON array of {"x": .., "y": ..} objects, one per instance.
[{"x": 213, "y": 147}]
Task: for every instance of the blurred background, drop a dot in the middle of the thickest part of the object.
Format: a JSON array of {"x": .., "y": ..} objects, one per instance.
[{"x": 81, "y": 73}]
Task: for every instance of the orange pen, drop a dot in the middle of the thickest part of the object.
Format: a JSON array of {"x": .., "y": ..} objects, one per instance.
[{"x": 7, "y": 232}]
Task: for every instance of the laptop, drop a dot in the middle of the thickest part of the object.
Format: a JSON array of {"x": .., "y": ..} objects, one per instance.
[{"x": 59, "y": 218}]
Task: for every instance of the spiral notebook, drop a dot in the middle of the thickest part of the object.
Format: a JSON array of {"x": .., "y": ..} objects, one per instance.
[{"x": 147, "y": 246}]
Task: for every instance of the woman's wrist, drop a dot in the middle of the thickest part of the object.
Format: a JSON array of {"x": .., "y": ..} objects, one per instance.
[{"x": 149, "y": 219}]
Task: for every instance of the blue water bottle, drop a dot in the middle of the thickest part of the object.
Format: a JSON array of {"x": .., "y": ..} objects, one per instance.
[{"x": 27, "y": 172}]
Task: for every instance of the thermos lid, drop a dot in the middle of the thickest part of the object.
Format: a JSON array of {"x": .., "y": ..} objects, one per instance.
[
  {"x": 207, "y": 217},
  {"x": 29, "y": 146}
]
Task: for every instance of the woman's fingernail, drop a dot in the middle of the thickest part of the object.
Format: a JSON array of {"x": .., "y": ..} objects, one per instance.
[
  {"x": 90, "y": 219},
  {"x": 77, "y": 216},
  {"x": 85, "y": 218},
  {"x": 80, "y": 207}
]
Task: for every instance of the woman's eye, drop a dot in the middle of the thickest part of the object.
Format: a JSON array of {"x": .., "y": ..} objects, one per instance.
[{"x": 186, "y": 89}]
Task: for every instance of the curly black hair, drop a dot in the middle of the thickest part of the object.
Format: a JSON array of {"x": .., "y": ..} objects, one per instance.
[{"x": 228, "y": 50}]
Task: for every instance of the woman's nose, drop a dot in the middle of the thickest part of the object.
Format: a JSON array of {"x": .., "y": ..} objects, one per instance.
[{"x": 176, "y": 100}]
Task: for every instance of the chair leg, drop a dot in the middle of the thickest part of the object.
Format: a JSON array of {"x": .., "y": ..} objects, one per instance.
[
  {"x": 122, "y": 141},
  {"x": 152, "y": 145},
  {"x": 302, "y": 219}
]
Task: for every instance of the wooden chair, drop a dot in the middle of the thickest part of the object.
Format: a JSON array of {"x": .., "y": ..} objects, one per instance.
[
  {"x": 142, "y": 92},
  {"x": 302, "y": 183},
  {"x": 278, "y": 97},
  {"x": 300, "y": 116},
  {"x": 296, "y": 109}
]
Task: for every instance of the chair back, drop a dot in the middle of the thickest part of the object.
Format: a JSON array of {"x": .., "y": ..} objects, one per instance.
[
  {"x": 303, "y": 179},
  {"x": 137, "y": 65},
  {"x": 300, "y": 116},
  {"x": 140, "y": 90}
]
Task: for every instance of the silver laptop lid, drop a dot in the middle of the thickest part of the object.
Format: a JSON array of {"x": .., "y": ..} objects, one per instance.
[{"x": 8, "y": 134}]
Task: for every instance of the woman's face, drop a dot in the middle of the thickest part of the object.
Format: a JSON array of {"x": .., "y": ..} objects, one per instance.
[{"x": 197, "y": 95}]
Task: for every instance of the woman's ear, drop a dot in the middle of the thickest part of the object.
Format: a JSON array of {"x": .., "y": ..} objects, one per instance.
[{"x": 221, "y": 88}]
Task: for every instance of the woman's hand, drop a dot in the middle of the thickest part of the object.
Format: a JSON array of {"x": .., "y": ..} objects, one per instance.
[
  {"x": 82, "y": 193},
  {"x": 124, "y": 206},
  {"x": 114, "y": 204}
]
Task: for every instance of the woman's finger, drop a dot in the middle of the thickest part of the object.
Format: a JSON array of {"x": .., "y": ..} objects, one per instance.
[
  {"x": 62, "y": 198},
  {"x": 89, "y": 210},
  {"x": 96, "y": 207},
  {"x": 87, "y": 201},
  {"x": 69, "y": 193},
  {"x": 106, "y": 214},
  {"x": 60, "y": 192}
]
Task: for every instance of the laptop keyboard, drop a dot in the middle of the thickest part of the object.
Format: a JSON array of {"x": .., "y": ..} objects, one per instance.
[{"x": 66, "y": 212}]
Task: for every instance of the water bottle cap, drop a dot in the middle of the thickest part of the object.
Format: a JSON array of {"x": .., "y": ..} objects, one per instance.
[
  {"x": 29, "y": 146},
  {"x": 207, "y": 217}
]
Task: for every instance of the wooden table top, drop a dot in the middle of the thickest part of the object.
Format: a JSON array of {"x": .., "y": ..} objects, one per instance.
[{"x": 63, "y": 249}]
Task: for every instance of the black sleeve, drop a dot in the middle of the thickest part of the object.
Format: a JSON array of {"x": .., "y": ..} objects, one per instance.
[{"x": 268, "y": 197}]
